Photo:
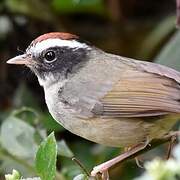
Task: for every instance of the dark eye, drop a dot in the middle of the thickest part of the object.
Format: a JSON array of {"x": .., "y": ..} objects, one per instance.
[{"x": 50, "y": 56}]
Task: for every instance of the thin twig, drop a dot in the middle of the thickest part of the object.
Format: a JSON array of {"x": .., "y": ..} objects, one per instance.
[
  {"x": 81, "y": 166},
  {"x": 178, "y": 13}
]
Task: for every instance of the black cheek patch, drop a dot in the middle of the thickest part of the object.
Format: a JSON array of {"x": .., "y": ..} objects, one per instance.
[
  {"x": 67, "y": 58},
  {"x": 70, "y": 58}
]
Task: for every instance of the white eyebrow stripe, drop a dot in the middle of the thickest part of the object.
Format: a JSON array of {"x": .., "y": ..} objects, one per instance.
[{"x": 48, "y": 43}]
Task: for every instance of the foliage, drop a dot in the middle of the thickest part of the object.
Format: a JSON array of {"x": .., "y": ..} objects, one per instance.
[
  {"x": 122, "y": 27},
  {"x": 46, "y": 158}
]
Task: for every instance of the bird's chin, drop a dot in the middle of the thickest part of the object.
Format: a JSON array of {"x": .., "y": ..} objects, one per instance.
[
  {"x": 47, "y": 79},
  {"x": 42, "y": 81}
]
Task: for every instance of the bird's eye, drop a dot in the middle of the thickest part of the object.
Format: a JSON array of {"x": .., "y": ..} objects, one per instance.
[{"x": 50, "y": 56}]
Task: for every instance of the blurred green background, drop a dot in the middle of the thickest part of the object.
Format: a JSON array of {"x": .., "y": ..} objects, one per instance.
[{"x": 141, "y": 29}]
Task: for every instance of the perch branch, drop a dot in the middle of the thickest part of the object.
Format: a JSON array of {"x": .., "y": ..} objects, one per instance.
[{"x": 154, "y": 143}]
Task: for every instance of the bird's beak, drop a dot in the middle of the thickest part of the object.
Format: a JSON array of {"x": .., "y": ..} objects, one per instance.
[{"x": 21, "y": 59}]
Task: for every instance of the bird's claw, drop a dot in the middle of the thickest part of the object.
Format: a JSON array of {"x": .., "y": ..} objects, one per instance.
[{"x": 102, "y": 170}]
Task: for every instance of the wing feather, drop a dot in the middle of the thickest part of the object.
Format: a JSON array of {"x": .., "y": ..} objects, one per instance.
[{"x": 139, "y": 93}]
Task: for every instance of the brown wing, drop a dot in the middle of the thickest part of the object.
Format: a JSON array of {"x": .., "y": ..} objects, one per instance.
[{"x": 139, "y": 94}]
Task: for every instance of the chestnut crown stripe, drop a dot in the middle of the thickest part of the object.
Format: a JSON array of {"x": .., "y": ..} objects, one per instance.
[
  {"x": 55, "y": 39},
  {"x": 52, "y": 35},
  {"x": 50, "y": 43}
]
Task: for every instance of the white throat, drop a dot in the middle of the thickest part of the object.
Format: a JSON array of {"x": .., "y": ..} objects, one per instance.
[{"x": 50, "y": 81}]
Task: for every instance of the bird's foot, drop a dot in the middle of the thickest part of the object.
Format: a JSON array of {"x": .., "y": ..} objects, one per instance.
[
  {"x": 104, "y": 167},
  {"x": 171, "y": 144},
  {"x": 101, "y": 169},
  {"x": 139, "y": 162}
]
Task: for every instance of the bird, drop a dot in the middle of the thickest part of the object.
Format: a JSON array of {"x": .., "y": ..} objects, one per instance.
[{"x": 105, "y": 98}]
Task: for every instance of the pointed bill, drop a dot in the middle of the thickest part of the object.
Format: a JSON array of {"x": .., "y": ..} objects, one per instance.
[{"x": 21, "y": 59}]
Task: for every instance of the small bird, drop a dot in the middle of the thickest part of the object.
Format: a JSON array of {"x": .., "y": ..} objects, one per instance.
[{"x": 105, "y": 98}]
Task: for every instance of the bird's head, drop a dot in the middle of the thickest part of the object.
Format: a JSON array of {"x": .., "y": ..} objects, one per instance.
[{"x": 54, "y": 54}]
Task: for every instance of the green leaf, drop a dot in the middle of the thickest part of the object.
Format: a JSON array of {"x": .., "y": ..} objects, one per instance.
[
  {"x": 17, "y": 137},
  {"x": 64, "y": 150},
  {"x": 46, "y": 158},
  {"x": 170, "y": 54}
]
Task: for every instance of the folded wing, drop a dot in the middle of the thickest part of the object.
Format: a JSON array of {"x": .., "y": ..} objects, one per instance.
[{"x": 141, "y": 93}]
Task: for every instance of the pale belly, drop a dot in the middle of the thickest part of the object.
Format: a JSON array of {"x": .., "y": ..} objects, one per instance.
[{"x": 115, "y": 132}]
